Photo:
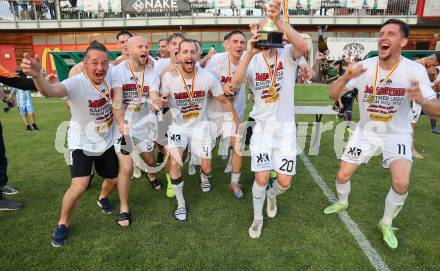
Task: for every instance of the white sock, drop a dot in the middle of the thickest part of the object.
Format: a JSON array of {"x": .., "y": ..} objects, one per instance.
[
  {"x": 204, "y": 178},
  {"x": 343, "y": 189},
  {"x": 178, "y": 190},
  {"x": 276, "y": 190},
  {"x": 235, "y": 177},
  {"x": 258, "y": 196},
  {"x": 393, "y": 204}
]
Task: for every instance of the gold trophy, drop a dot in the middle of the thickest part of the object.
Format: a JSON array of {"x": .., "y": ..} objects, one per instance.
[{"x": 270, "y": 36}]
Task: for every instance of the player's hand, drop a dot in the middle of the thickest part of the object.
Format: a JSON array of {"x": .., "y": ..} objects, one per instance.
[
  {"x": 340, "y": 105},
  {"x": 211, "y": 52},
  {"x": 436, "y": 85},
  {"x": 253, "y": 28},
  {"x": 52, "y": 78},
  {"x": 251, "y": 45},
  {"x": 156, "y": 103},
  {"x": 353, "y": 71},
  {"x": 319, "y": 56},
  {"x": 305, "y": 71},
  {"x": 414, "y": 93},
  {"x": 31, "y": 65},
  {"x": 124, "y": 128},
  {"x": 228, "y": 90},
  {"x": 273, "y": 10}
]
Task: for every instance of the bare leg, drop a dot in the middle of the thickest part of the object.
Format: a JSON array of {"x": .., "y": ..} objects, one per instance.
[
  {"x": 108, "y": 185},
  {"x": 32, "y": 115},
  {"x": 125, "y": 171},
  {"x": 71, "y": 198}
]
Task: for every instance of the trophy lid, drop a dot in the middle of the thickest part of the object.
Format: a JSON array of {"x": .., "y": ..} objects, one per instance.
[{"x": 269, "y": 26}]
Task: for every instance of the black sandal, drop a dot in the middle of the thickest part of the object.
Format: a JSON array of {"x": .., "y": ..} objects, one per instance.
[
  {"x": 156, "y": 184},
  {"x": 124, "y": 216}
]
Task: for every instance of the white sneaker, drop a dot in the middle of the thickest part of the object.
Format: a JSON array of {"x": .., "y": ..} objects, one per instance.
[
  {"x": 271, "y": 206},
  {"x": 205, "y": 186},
  {"x": 180, "y": 214},
  {"x": 137, "y": 173},
  {"x": 255, "y": 229}
]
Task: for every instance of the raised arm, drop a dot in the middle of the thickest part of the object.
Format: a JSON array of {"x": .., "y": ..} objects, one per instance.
[
  {"x": 339, "y": 87},
  {"x": 207, "y": 57},
  {"x": 32, "y": 66},
  {"x": 241, "y": 71},
  {"x": 299, "y": 47}
]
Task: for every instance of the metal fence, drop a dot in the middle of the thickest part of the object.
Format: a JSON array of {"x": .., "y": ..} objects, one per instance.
[{"x": 19, "y": 10}]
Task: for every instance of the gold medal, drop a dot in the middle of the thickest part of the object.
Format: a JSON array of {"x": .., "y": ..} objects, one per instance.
[
  {"x": 191, "y": 102},
  {"x": 273, "y": 91}
]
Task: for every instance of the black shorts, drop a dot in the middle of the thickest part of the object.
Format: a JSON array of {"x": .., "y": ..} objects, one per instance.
[
  {"x": 106, "y": 164},
  {"x": 348, "y": 104}
]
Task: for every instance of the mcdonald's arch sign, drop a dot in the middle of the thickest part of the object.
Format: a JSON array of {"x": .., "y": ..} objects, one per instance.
[{"x": 47, "y": 61}]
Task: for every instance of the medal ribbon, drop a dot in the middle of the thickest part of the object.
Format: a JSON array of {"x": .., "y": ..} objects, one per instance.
[
  {"x": 141, "y": 89},
  {"x": 190, "y": 94},
  {"x": 375, "y": 88},
  {"x": 272, "y": 74},
  {"x": 106, "y": 89}
]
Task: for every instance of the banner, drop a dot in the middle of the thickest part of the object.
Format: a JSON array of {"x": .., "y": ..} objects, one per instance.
[
  {"x": 47, "y": 60},
  {"x": 352, "y": 3},
  {"x": 431, "y": 8},
  {"x": 200, "y": 4},
  {"x": 357, "y": 46},
  {"x": 155, "y": 6},
  {"x": 105, "y": 5}
]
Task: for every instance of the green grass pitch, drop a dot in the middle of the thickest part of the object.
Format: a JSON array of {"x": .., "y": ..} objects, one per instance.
[{"x": 215, "y": 236}]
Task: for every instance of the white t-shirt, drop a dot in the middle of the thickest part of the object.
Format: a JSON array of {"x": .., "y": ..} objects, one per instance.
[
  {"x": 161, "y": 64},
  {"x": 219, "y": 65},
  {"x": 277, "y": 108},
  {"x": 186, "y": 113},
  {"x": 92, "y": 117},
  {"x": 391, "y": 107},
  {"x": 136, "y": 110}
]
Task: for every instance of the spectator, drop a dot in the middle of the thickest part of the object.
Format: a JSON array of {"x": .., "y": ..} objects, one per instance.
[
  {"x": 25, "y": 9},
  {"x": 430, "y": 62},
  {"x": 51, "y": 6},
  {"x": 13, "y": 7},
  {"x": 37, "y": 5},
  {"x": 342, "y": 65},
  {"x": 163, "y": 49},
  {"x": 25, "y": 107},
  {"x": 12, "y": 80},
  {"x": 324, "y": 67}
]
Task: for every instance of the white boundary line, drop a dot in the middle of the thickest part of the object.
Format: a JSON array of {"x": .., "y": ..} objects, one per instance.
[{"x": 360, "y": 238}]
